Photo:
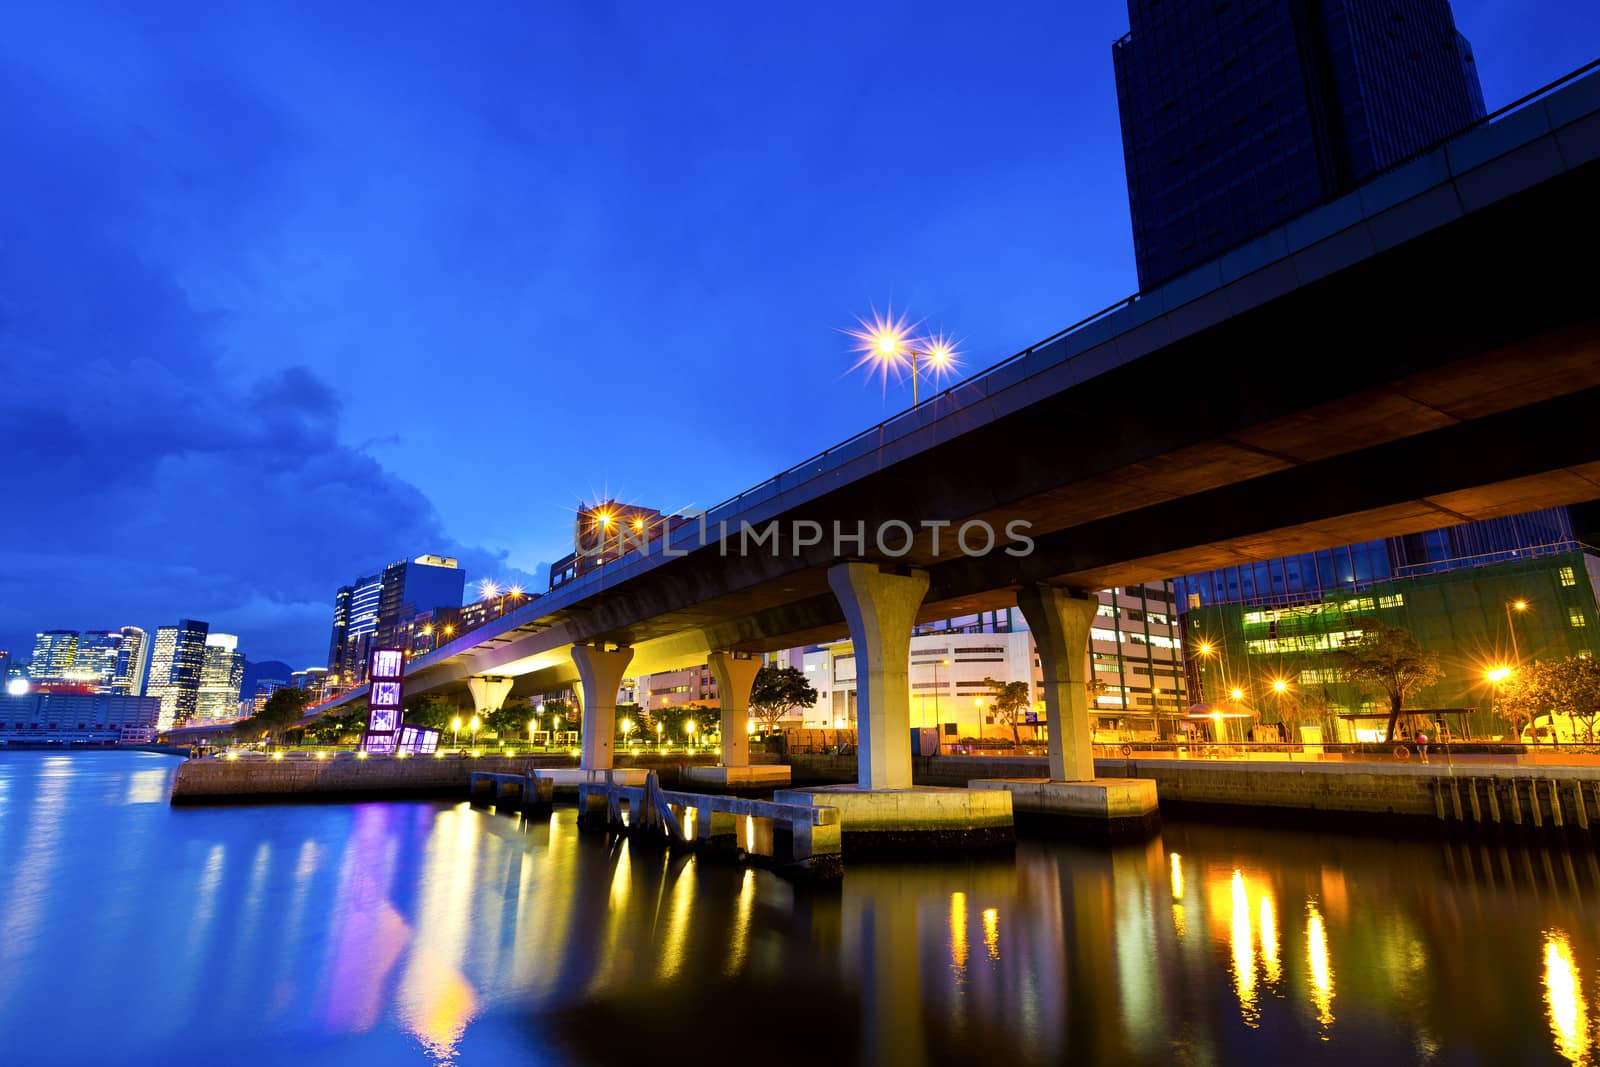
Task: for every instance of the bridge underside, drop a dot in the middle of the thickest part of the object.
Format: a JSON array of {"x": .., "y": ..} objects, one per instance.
[{"x": 1451, "y": 377}]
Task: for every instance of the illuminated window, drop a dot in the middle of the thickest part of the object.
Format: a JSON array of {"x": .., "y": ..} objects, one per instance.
[
  {"x": 1567, "y": 577},
  {"x": 1576, "y": 619},
  {"x": 1394, "y": 601}
]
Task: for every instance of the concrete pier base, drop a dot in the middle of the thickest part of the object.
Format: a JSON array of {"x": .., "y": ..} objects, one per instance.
[
  {"x": 1112, "y": 809},
  {"x": 912, "y": 820},
  {"x": 735, "y": 779}
]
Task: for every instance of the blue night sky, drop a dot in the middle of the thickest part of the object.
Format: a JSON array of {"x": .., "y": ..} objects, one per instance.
[{"x": 285, "y": 296}]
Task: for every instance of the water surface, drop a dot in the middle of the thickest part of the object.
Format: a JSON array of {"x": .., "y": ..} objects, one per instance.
[{"x": 394, "y": 933}]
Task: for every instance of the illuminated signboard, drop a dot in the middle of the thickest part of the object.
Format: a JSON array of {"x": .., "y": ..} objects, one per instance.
[{"x": 386, "y": 668}]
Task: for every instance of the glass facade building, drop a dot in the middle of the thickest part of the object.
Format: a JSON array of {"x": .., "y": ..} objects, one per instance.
[
  {"x": 1479, "y": 614},
  {"x": 176, "y": 660},
  {"x": 1237, "y": 116},
  {"x": 1350, "y": 568},
  {"x": 221, "y": 676}
]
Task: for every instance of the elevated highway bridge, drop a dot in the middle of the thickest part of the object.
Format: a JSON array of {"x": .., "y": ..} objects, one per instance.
[{"x": 1422, "y": 352}]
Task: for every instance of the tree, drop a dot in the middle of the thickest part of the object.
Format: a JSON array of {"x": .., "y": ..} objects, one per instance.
[
  {"x": 509, "y": 721},
  {"x": 1392, "y": 660},
  {"x": 333, "y": 728},
  {"x": 1569, "y": 687},
  {"x": 776, "y": 692},
  {"x": 282, "y": 710},
  {"x": 1011, "y": 701}
]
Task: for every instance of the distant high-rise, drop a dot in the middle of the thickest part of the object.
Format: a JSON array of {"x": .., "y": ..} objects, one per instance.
[
  {"x": 221, "y": 676},
  {"x": 176, "y": 663},
  {"x": 53, "y": 653},
  {"x": 381, "y": 602},
  {"x": 1238, "y": 116},
  {"x": 95, "y": 661},
  {"x": 133, "y": 658}
]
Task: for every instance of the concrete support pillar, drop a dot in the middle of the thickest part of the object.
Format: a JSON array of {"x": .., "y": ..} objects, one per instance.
[
  {"x": 734, "y": 676},
  {"x": 880, "y": 609},
  {"x": 1060, "y": 620},
  {"x": 488, "y": 694},
  {"x": 601, "y": 674}
]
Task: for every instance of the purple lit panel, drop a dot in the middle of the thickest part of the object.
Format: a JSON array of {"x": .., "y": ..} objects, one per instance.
[{"x": 387, "y": 663}]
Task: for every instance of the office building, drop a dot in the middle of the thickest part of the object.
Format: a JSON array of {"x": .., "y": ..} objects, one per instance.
[
  {"x": 94, "y": 663},
  {"x": 370, "y": 610},
  {"x": 265, "y": 687},
  {"x": 1351, "y": 568},
  {"x": 177, "y": 659},
  {"x": 1135, "y": 653},
  {"x": 1479, "y": 614},
  {"x": 1236, "y": 117},
  {"x": 315, "y": 680},
  {"x": 221, "y": 676},
  {"x": 133, "y": 658},
  {"x": 53, "y": 654}
]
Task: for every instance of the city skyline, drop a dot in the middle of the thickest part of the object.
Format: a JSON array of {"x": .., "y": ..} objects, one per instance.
[{"x": 257, "y": 344}]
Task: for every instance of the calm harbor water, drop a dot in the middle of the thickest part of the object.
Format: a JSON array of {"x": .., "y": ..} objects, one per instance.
[{"x": 434, "y": 933}]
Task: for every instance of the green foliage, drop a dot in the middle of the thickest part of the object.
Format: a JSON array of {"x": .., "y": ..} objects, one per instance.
[
  {"x": 1391, "y": 660},
  {"x": 1569, "y": 687},
  {"x": 776, "y": 692},
  {"x": 1010, "y": 702},
  {"x": 282, "y": 709},
  {"x": 430, "y": 713}
]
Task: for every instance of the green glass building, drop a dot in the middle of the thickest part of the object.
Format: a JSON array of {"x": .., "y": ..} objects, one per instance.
[{"x": 1474, "y": 618}]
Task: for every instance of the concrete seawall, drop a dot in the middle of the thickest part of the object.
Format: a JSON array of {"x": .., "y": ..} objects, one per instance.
[
  {"x": 221, "y": 781},
  {"x": 1474, "y": 793}
]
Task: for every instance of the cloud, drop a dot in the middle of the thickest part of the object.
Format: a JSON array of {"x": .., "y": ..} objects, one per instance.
[{"x": 152, "y": 477}]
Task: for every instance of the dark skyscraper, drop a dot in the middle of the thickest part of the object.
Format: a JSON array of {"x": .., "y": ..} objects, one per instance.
[{"x": 1237, "y": 116}]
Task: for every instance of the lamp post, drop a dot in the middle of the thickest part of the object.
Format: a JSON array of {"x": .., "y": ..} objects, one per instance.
[
  {"x": 455, "y": 732},
  {"x": 473, "y": 727},
  {"x": 977, "y": 702},
  {"x": 885, "y": 341},
  {"x": 1205, "y": 650},
  {"x": 937, "y": 689},
  {"x": 1519, "y": 605}
]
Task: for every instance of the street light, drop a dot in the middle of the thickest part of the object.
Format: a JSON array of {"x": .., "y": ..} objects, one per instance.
[
  {"x": 885, "y": 341},
  {"x": 473, "y": 727},
  {"x": 977, "y": 702},
  {"x": 1236, "y": 694},
  {"x": 1519, "y": 605},
  {"x": 455, "y": 732}
]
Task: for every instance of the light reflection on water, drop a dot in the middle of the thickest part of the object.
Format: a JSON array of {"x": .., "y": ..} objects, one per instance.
[{"x": 436, "y": 933}]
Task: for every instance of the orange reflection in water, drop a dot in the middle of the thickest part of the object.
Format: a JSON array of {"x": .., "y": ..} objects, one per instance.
[
  {"x": 1563, "y": 998},
  {"x": 991, "y": 932},
  {"x": 958, "y": 934},
  {"x": 1244, "y": 969},
  {"x": 1319, "y": 967}
]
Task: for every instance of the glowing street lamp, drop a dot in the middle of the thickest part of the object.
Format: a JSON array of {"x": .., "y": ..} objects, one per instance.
[
  {"x": 886, "y": 341},
  {"x": 455, "y": 732},
  {"x": 1280, "y": 686},
  {"x": 1236, "y": 694},
  {"x": 1519, "y": 606},
  {"x": 473, "y": 727}
]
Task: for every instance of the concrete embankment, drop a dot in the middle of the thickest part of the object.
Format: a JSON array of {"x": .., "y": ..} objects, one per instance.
[
  {"x": 223, "y": 781},
  {"x": 1475, "y": 794}
]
